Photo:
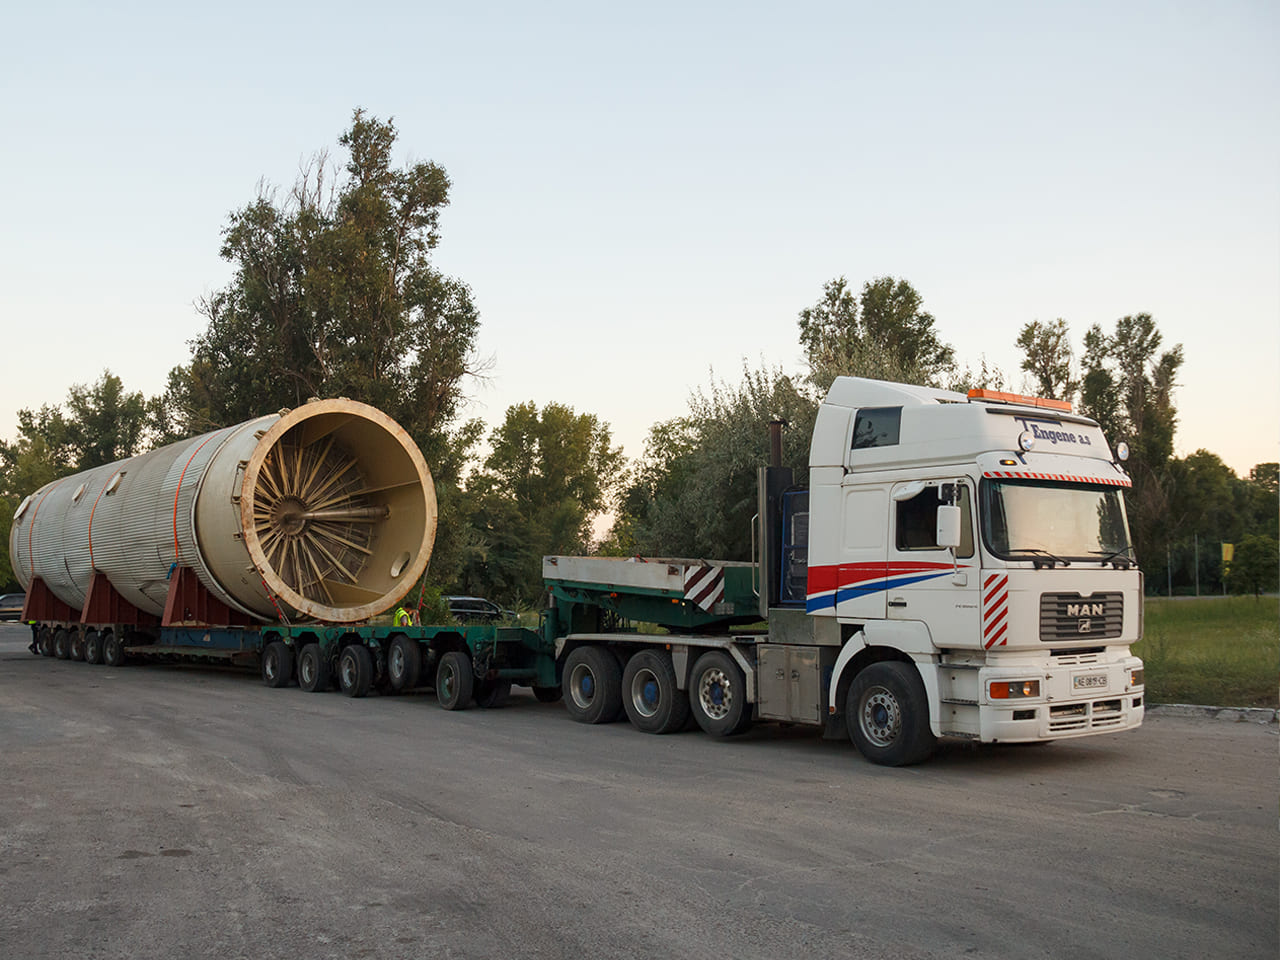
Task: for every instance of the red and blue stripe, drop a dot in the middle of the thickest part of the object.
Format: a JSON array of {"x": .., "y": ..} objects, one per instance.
[{"x": 833, "y": 584}]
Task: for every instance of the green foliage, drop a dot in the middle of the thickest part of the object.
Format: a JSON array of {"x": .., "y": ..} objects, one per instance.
[
  {"x": 1128, "y": 388},
  {"x": 1047, "y": 357},
  {"x": 695, "y": 490},
  {"x": 988, "y": 377},
  {"x": 1214, "y": 651},
  {"x": 101, "y": 423},
  {"x": 335, "y": 294},
  {"x": 885, "y": 334},
  {"x": 430, "y": 603},
  {"x": 1255, "y": 568},
  {"x": 1262, "y": 500},
  {"x": 549, "y": 473}
]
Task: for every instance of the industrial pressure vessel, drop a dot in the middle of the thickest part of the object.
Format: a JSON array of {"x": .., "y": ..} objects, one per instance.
[{"x": 326, "y": 512}]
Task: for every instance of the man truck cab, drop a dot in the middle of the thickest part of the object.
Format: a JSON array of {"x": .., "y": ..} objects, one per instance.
[{"x": 972, "y": 556}]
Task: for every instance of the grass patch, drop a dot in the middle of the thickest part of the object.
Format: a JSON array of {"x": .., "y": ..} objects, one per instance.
[{"x": 1219, "y": 651}]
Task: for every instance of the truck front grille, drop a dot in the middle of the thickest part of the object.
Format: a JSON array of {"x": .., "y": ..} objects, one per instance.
[
  {"x": 1069, "y": 616},
  {"x": 1086, "y": 716}
]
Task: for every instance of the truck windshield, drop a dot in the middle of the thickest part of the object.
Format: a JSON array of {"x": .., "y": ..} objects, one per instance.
[{"x": 1059, "y": 521}]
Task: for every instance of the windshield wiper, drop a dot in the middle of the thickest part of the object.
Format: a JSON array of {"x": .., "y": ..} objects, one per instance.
[
  {"x": 1049, "y": 559},
  {"x": 1106, "y": 556}
]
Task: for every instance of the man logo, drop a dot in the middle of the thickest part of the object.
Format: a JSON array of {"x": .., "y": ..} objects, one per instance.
[
  {"x": 1084, "y": 610},
  {"x": 1084, "y": 626}
]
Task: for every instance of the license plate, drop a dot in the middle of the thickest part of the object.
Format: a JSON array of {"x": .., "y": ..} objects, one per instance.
[{"x": 1089, "y": 681}]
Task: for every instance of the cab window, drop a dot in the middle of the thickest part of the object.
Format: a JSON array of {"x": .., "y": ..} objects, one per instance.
[
  {"x": 917, "y": 522},
  {"x": 876, "y": 427}
]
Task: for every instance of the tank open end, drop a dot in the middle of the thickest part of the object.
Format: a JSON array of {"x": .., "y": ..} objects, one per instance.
[{"x": 338, "y": 510}]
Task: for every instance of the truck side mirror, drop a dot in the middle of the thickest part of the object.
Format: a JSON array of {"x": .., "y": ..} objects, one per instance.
[{"x": 948, "y": 526}]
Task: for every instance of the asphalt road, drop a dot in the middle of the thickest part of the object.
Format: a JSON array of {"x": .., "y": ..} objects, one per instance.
[{"x": 183, "y": 812}]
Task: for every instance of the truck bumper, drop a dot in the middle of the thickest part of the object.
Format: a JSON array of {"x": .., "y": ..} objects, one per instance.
[
  {"x": 1076, "y": 701},
  {"x": 1074, "y": 696}
]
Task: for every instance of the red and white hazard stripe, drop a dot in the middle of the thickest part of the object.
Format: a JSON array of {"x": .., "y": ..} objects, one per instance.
[
  {"x": 704, "y": 586},
  {"x": 1067, "y": 477},
  {"x": 995, "y": 610}
]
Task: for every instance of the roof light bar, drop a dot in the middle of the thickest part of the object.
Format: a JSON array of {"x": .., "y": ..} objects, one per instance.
[{"x": 996, "y": 396}]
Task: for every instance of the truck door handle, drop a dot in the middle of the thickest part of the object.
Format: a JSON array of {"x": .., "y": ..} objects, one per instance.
[{"x": 897, "y": 602}]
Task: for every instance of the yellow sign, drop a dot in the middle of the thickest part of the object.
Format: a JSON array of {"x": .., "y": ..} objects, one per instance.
[{"x": 1228, "y": 552}]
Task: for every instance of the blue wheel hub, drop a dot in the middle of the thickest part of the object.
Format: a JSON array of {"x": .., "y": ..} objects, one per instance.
[{"x": 651, "y": 693}]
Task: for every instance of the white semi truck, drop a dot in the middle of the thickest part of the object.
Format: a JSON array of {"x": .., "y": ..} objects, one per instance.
[{"x": 959, "y": 567}]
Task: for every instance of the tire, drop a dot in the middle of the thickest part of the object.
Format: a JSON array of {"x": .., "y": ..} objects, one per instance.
[
  {"x": 887, "y": 712},
  {"x": 547, "y": 694},
  {"x": 277, "y": 664},
  {"x": 404, "y": 663},
  {"x": 313, "y": 669},
  {"x": 592, "y": 685},
  {"x": 718, "y": 695},
  {"x": 44, "y": 642},
  {"x": 455, "y": 681},
  {"x": 61, "y": 644},
  {"x": 355, "y": 670},
  {"x": 75, "y": 647},
  {"x": 92, "y": 647},
  {"x": 493, "y": 693},
  {"x": 649, "y": 694},
  {"x": 112, "y": 649}
]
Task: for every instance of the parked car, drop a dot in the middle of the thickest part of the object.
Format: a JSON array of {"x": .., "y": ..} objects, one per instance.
[
  {"x": 11, "y": 606},
  {"x": 477, "y": 610}
]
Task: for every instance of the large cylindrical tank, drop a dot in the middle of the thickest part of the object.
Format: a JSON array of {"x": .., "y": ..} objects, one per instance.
[{"x": 326, "y": 512}]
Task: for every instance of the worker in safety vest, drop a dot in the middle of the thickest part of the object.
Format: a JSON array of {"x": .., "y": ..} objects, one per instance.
[{"x": 403, "y": 617}]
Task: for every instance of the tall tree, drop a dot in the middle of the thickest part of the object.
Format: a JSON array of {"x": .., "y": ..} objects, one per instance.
[
  {"x": 1128, "y": 388},
  {"x": 884, "y": 333},
  {"x": 1047, "y": 358},
  {"x": 550, "y": 472},
  {"x": 335, "y": 294},
  {"x": 694, "y": 492}
]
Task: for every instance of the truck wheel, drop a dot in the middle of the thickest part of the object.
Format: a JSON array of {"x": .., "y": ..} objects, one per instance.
[
  {"x": 718, "y": 695},
  {"x": 44, "y": 642},
  {"x": 649, "y": 694},
  {"x": 593, "y": 685},
  {"x": 547, "y": 694},
  {"x": 313, "y": 669},
  {"x": 92, "y": 647},
  {"x": 277, "y": 664},
  {"x": 888, "y": 714},
  {"x": 404, "y": 663},
  {"x": 112, "y": 649},
  {"x": 355, "y": 670},
  {"x": 454, "y": 681},
  {"x": 493, "y": 693},
  {"x": 61, "y": 644},
  {"x": 75, "y": 647}
]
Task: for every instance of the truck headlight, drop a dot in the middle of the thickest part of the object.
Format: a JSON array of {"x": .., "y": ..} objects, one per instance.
[
  {"x": 1136, "y": 677},
  {"x": 1013, "y": 689}
]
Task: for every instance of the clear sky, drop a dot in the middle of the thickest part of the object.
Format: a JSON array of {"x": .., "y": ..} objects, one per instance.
[{"x": 642, "y": 196}]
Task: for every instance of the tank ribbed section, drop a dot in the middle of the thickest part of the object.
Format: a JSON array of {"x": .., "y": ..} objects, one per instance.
[
  {"x": 133, "y": 532},
  {"x": 45, "y": 538},
  {"x": 85, "y": 492},
  {"x": 182, "y": 487}
]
